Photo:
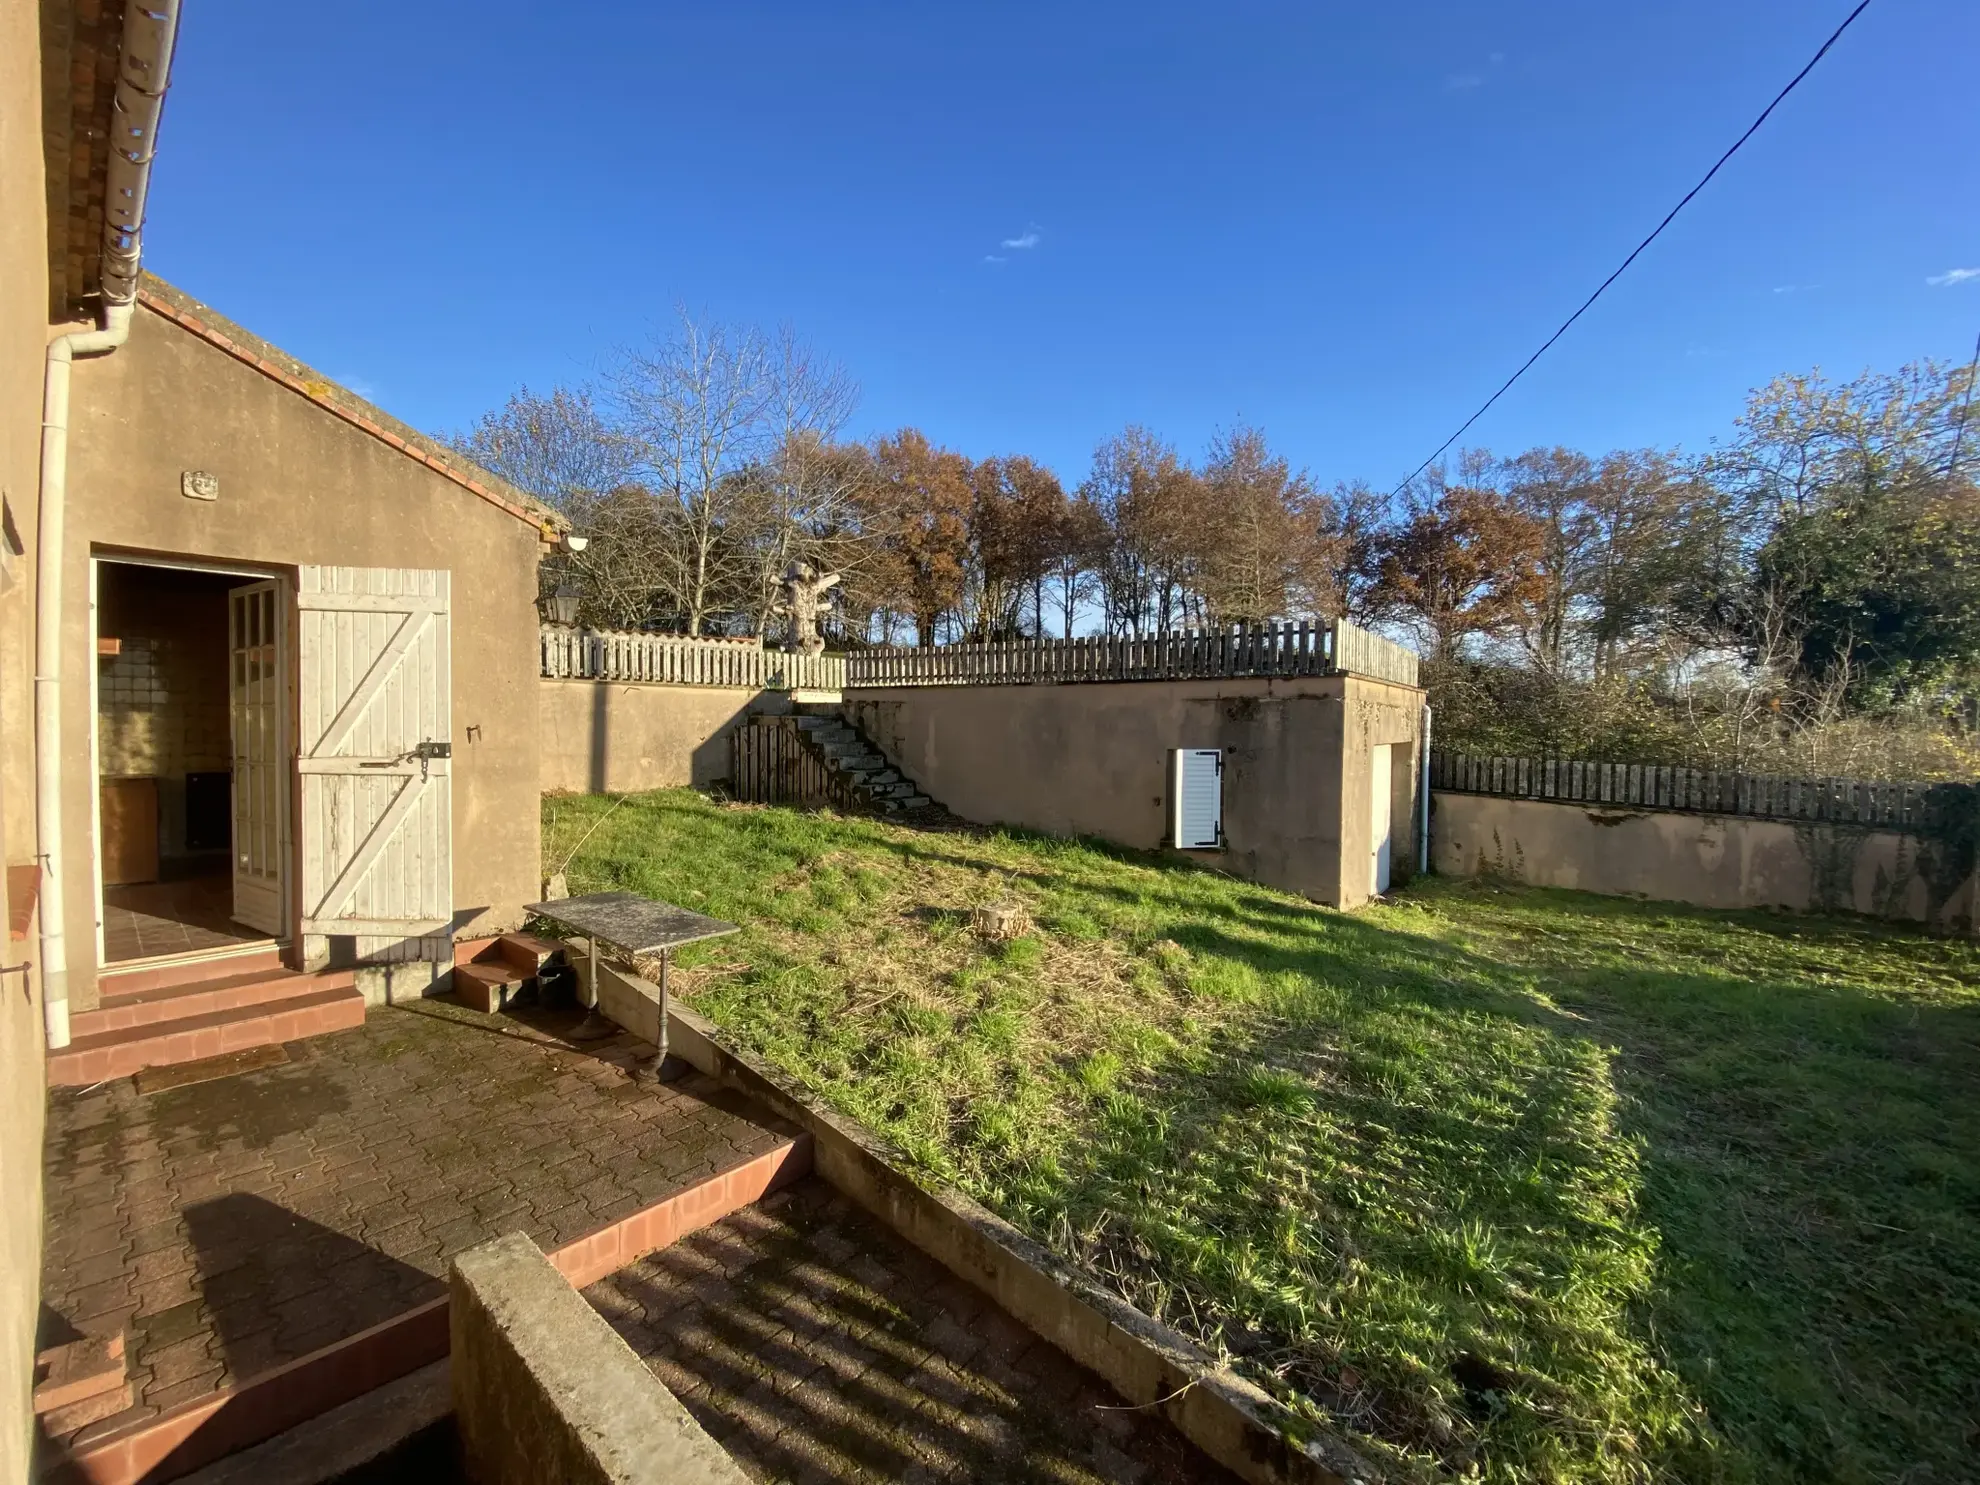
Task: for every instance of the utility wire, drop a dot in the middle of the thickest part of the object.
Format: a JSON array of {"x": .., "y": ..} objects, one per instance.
[{"x": 1751, "y": 129}]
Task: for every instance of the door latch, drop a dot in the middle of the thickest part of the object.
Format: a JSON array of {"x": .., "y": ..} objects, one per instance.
[{"x": 427, "y": 751}]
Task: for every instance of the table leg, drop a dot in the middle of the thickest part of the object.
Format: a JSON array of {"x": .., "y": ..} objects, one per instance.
[
  {"x": 594, "y": 1027},
  {"x": 662, "y": 1067}
]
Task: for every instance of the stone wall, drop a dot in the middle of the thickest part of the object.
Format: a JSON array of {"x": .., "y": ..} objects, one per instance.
[
  {"x": 1719, "y": 861},
  {"x": 1092, "y": 759},
  {"x": 622, "y": 736}
]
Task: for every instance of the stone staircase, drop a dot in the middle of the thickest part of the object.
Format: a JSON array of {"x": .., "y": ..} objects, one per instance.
[
  {"x": 186, "y": 1012},
  {"x": 866, "y": 771}
]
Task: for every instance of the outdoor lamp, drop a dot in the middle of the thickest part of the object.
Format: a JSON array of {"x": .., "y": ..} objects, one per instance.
[{"x": 561, "y": 606}]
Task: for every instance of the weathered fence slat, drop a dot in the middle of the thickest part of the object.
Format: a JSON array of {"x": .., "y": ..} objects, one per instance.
[
  {"x": 1842, "y": 801},
  {"x": 678, "y": 660},
  {"x": 1268, "y": 650}
]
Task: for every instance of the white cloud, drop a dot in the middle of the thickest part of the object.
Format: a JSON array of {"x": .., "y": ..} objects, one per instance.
[
  {"x": 1029, "y": 238},
  {"x": 358, "y": 385},
  {"x": 1952, "y": 276},
  {"x": 993, "y": 258},
  {"x": 1794, "y": 288}
]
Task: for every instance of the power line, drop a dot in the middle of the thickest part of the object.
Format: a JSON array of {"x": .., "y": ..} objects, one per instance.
[{"x": 1751, "y": 129}]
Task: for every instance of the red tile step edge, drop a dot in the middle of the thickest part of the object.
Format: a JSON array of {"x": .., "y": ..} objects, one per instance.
[
  {"x": 116, "y": 1011},
  {"x": 118, "y": 1054},
  {"x": 195, "y": 1434},
  {"x": 185, "y": 970}
]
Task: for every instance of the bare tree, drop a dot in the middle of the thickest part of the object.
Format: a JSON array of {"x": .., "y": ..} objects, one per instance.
[
  {"x": 561, "y": 450},
  {"x": 730, "y": 427}
]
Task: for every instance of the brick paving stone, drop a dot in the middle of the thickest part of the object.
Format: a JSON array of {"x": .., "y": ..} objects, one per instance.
[
  {"x": 816, "y": 1345},
  {"x": 283, "y": 1209}
]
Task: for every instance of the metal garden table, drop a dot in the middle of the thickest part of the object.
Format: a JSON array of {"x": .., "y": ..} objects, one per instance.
[{"x": 632, "y": 926}]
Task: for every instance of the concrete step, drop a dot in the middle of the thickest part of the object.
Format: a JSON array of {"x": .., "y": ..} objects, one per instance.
[
  {"x": 526, "y": 951},
  {"x": 118, "y": 1054},
  {"x": 120, "y": 1010},
  {"x": 916, "y": 802},
  {"x": 885, "y": 776},
  {"x": 487, "y": 985},
  {"x": 186, "y": 969},
  {"x": 864, "y": 763}
]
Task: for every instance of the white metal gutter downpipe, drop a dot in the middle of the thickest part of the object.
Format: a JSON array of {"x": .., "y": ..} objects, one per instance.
[{"x": 150, "y": 27}]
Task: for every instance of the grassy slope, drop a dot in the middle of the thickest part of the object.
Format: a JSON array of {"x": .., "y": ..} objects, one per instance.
[{"x": 1540, "y": 1185}]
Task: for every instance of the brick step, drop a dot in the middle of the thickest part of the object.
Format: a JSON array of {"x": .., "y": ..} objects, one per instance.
[
  {"x": 500, "y": 968},
  {"x": 486, "y": 985},
  {"x": 525, "y": 951},
  {"x": 118, "y": 1054},
  {"x": 187, "y": 969},
  {"x": 118, "y": 1011}
]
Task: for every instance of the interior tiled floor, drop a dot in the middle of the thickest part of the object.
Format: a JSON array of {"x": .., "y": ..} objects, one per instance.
[
  {"x": 173, "y": 917},
  {"x": 815, "y": 1345},
  {"x": 231, "y": 1226}
]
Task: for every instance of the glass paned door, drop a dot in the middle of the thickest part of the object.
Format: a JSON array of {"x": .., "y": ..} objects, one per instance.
[{"x": 257, "y": 631}]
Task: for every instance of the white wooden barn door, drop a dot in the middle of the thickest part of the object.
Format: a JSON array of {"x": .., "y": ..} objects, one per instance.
[{"x": 373, "y": 694}]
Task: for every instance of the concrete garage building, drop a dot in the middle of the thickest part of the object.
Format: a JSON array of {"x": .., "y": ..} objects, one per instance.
[{"x": 299, "y": 649}]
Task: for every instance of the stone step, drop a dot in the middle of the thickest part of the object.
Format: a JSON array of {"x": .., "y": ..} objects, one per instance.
[
  {"x": 864, "y": 763},
  {"x": 487, "y": 985},
  {"x": 186, "y": 969},
  {"x": 526, "y": 951},
  {"x": 916, "y": 802},
  {"x": 120, "y": 1011},
  {"x": 118, "y": 1054}
]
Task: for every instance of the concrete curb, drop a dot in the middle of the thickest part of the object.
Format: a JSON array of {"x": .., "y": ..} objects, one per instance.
[
  {"x": 544, "y": 1389},
  {"x": 1236, "y": 1423}
]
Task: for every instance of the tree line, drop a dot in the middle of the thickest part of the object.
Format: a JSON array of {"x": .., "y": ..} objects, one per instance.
[{"x": 1815, "y": 576}]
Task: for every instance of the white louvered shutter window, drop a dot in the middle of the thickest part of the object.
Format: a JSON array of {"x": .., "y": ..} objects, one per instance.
[{"x": 1196, "y": 799}]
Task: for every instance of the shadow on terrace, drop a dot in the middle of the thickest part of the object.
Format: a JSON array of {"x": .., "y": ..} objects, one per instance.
[{"x": 231, "y": 1227}]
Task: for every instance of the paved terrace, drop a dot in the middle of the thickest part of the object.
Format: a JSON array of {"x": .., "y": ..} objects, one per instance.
[
  {"x": 234, "y": 1225},
  {"x": 817, "y": 1346}
]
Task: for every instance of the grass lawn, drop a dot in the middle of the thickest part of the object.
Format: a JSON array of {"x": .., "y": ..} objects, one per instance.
[{"x": 1520, "y": 1184}]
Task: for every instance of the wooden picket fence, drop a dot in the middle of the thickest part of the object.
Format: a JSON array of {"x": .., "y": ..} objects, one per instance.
[
  {"x": 1267, "y": 650},
  {"x": 1888, "y": 806},
  {"x": 676, "y": 660},
  {"x": 770, "y": 764}
]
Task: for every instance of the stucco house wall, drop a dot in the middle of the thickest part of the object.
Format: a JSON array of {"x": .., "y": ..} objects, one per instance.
[
  {"x": 619, "y": 737},
  {"x": 1717, "y": 861},
  {"x": 1092, "y": 759},
  {"x": 301, "y": 481},
  {"x": 24, "y": 292}
]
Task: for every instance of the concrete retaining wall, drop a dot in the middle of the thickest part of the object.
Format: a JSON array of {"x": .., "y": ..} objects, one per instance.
[
  {"x": 1719, "y": 861},
  {"x": 544, "y": 1389},
  {"x": 1092, "y": 759},
  {"x": 621, "y": 736},
  {"x": 1154, "y": 1367}
]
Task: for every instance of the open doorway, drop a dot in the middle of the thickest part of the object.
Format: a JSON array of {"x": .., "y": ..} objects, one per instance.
[{"x": 192, "y": 782}]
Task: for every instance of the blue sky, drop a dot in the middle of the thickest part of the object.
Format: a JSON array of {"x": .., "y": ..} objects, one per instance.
[{"x": 1022, "y": 226}]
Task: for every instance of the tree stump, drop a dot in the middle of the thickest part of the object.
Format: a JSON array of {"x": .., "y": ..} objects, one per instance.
[{"x": 1002, "y": 920}]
